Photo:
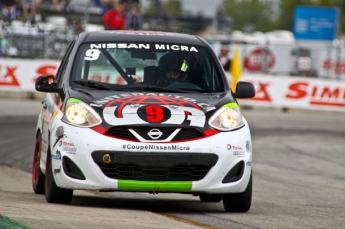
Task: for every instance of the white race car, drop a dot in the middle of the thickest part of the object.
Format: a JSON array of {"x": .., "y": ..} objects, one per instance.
[{"x": 142, "y": 111}]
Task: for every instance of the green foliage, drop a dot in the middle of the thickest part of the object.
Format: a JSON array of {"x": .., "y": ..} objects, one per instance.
[
  {"x": 335, "y": 3},
  {"x": 286, "y": 9},
  {"x": 261, "y": 15},
  {"x": 255, "y": 13},
  {"x": 173, "y": 7},
  {"x": 170, "y": 7},
  {"x": 155, "y": 7},
  {"x": 264, "y": 17}
]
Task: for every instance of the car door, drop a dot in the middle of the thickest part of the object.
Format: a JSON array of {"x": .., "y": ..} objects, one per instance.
[{"x": 52, "y": 103}]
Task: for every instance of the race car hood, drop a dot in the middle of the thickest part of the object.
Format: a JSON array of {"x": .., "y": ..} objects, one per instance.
[{"x": 151, "y": 108}]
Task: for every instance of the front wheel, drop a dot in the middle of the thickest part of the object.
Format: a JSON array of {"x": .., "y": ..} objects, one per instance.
[
  {"x": 53, "y": 193},
  {"x": 37, "y": 175},
  {"x": 239, "y": 202}
]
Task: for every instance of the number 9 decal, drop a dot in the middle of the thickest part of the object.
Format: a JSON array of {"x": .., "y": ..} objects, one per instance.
[
  {"x": 154, "y": 114},
  {"x": 92, "y": 54}
]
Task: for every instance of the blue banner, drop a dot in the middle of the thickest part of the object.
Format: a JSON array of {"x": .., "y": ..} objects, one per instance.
[{"x": 315, "y": 23}]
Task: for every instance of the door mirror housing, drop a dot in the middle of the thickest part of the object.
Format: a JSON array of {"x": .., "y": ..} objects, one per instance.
[
  {"x": 46, "y": 84},
  {"x": 244, "y": 90}
]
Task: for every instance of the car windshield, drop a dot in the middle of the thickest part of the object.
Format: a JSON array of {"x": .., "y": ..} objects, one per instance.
[{"x": 139, "y": 66}]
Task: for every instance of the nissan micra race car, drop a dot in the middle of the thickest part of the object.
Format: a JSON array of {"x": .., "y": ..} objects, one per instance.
[{"x": 141, "y": 111}]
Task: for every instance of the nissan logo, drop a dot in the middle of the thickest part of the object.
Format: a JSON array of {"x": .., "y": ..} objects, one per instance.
[{"x": 154, "y": 133}]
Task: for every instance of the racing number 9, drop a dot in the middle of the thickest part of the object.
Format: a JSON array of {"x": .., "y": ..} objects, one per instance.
[
  {"x": 92, "y": 54},
  {"x": 154, "y": 113}
]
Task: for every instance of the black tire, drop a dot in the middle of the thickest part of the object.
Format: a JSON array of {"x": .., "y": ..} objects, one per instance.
[
  {"x": 53, "y": 193},
  {"x": 239, "y": 202},
  {"x": 36, "y": 174},
  {"x": 210, "y": 197}
]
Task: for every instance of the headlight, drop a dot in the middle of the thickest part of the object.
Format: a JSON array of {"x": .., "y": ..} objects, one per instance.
[
  {"x": 80, "y": 114},
  {"x": 226, "y": 118}
]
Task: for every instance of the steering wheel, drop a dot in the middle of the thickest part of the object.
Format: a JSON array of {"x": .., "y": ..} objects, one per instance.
[{"x": 183, "y": 85}]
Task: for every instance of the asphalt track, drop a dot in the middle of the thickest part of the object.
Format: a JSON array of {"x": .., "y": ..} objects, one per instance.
[{"x": 298, "y": 167}]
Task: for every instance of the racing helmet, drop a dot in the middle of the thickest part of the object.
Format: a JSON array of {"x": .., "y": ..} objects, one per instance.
[{"x": 172, "y": 61}]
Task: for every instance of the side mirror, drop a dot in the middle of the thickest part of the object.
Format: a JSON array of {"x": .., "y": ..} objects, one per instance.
[
  {"x": 46, "y": 84},
  {"x": 244, "y": 90}
]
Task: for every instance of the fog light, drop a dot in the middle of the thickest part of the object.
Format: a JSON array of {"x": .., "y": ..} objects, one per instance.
[{"x": 106, "y": 158}]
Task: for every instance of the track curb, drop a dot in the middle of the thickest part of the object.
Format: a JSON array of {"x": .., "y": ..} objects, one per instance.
[{"x": 7, "y": 223}]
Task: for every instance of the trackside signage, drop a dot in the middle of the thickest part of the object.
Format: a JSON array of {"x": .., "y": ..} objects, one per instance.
[
  {"x": 315, "y": 23},
  {"x": 20, "y": 75},
  {"x": 296, "y": 92},
  {"x": 277, "y": 91}
]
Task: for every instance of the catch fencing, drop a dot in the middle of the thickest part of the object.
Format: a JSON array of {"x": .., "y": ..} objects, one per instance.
[
  {"x": 318, "y": 60},
  {"x": 38, "y": 41}
]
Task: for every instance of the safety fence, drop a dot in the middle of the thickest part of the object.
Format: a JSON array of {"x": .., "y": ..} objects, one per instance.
[
  {"x": 34, "y": 41},
  {"x": 274, "y": 91},
  {"x": 319, "y": 60}
]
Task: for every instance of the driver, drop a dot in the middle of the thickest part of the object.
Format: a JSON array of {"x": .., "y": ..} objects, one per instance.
[{"x": 172, "y": 67}]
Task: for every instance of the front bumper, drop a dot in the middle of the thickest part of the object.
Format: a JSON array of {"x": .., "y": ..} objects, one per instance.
[{"x": 206, "y": 162}]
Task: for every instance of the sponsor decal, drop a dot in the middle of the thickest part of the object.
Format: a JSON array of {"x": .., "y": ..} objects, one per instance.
[
  {"x": 138, "y": 32},
  {"x": 70, "y": 150},
  {"x": 68, "y": 146},
  {"x": 55, "y": 113},
  {"x": 61, "y": 143},
  {"x": 248, "y": 163},
  {"x": 229, "y": 147},
  {"x": 93, "y": 51},
  {"x": 248, "y": 146},
  {"x": 175, "y": 47},
  {"x": 56, "y": 171},
  {"x": 160, "y": 98},
  {"x": 238, "y": 153},
  {"x": 56, "y": 156},
  {"x": 155, "y": 147},
  {"x": 50, "y": 106},
  {"x": 151, "y": 108},
  {"x": 59, "y": 134}
]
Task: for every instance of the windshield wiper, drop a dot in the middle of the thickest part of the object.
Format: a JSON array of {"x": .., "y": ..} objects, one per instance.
[{"x": 91, "y": 84}]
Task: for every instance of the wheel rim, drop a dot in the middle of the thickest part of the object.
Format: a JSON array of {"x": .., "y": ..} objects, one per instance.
[{"x": 35, "y": 163}]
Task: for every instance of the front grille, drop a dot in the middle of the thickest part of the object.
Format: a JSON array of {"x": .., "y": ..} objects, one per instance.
[
  {"x": 188, "y": 134},
  {"x": 121, "y": 132},
  {"x": 184, "y": 134},
  {"x": 143, "y": 130},
  {"x": 175, "y": 173},
  {"x": 155, "y": 166}
]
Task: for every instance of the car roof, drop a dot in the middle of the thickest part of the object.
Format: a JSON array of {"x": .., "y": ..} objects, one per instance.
[{"x": 142, "y": 36}]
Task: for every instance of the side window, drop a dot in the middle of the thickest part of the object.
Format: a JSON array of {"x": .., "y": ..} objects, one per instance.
[{"x": 63, "y": 65}]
